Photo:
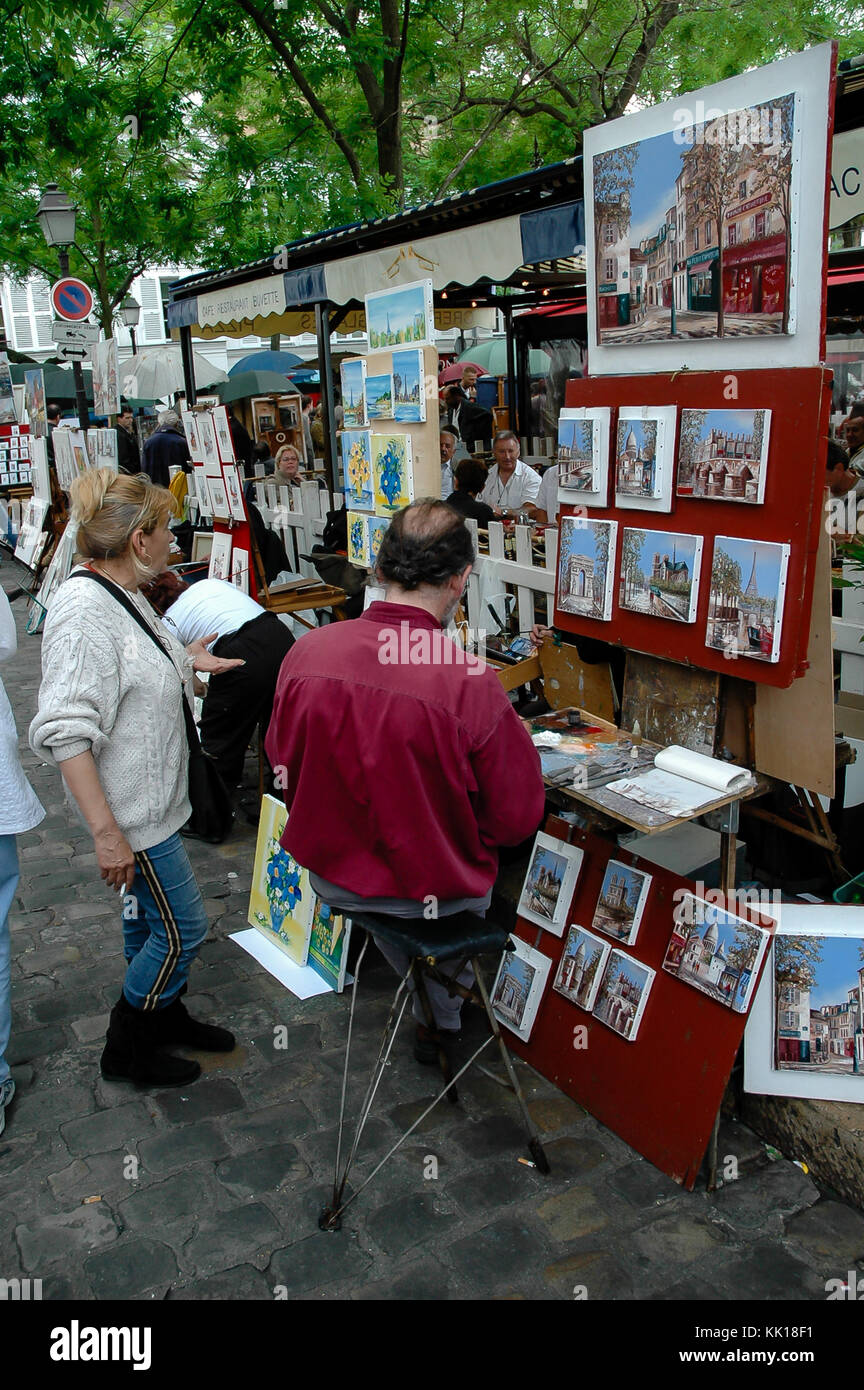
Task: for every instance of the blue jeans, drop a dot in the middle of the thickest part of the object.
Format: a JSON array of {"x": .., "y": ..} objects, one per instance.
[
  {"x": 8, "y": 884},
  {"x": 163, "y": 939}
]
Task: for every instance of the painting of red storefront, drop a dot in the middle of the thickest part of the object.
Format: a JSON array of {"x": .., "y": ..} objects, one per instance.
[{"x": 754, "y": 277}]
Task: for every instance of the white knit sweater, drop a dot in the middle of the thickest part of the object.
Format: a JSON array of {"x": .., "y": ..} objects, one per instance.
[{"x": 107, "y": 689}]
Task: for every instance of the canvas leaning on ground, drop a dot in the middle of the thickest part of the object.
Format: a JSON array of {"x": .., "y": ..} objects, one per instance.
[
  {"x": 723, "y": 454},
  {"x": 748, "y": 588},
  {"x": 586, "y": 566},
  {"x": 660, "y": 573},
  {"x": 621, "y": 901},
  {"x": 623, "y": 994},
  {"x": 549, "y": 883},
  {"x": 519, "y": 986},
  {"x": 716, "y": 952},
  {"x": 281, "y": 901},
  {"x": 581, "y": 967}
]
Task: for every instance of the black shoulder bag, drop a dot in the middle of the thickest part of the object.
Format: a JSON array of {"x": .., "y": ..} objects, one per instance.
[{"x": 212, "y": 811}]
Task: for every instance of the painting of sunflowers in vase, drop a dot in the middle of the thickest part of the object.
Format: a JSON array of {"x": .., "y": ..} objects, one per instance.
[{"x": 357, "y": 468}]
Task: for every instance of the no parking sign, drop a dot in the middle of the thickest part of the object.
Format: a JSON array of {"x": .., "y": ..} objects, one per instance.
[{"x": 71, "y": 299}]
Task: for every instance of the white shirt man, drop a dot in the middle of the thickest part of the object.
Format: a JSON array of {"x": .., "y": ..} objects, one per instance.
[
  {"x": 511, "y": 483},
  {"x": 545, "y": 509}
]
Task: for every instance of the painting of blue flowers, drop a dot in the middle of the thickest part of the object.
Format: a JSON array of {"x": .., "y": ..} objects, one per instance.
[
  {"x": 281, "y": 901},
  {"x": 391, "y": 472}
]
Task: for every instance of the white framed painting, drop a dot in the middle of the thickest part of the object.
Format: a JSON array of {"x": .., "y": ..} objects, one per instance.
[
  {"x": 392, "y": 472},
  {"x": 660, "y": 573},
  {"x": 644, "y": 457},
  {"x": 586, "y": 566},
  {"x": 218, "y": 498},
  {"x": 581, "y": 967},
  {"x": 747, "y": 596},
  {"x": 519, "y": 987},
  {"x": 358, "y": 539},
  {"x": 234, "y": 491},
  {"x": 220, "y": 557},
  {"x": 552, "y": 875},
  {"x": 704, "y": 219},
  {"x": 583, "y": 455},
  {"x": 621, "y": 901},
  {"x": 723, "y": 455},
  {"x": 803, "y": 1036},
  {"x": 379, "y": 396},
  {"x": 409, "y": 381},
  {"x": 224, "y": 441},
  {"x": 623, "y": 994},
  {"x": 207, "y": 438},
  {"x": 356, "y": 450},
  {"x": 401, "y": 316},
  {"x": 716, "y": 952},
  {"x": 352, "y": 375},
  {"x": 40, "y": 476},
  {"x": 240, "y": 569},
  {"x": 202, "y": 491},
  {"x": 193, "y": 439}
]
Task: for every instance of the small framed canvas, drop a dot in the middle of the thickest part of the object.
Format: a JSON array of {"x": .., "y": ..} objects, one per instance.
[
  {"x": 356, "y": 449},
  {"x": 202, "y": 544},
  {"x": 224, "y": 442},
  {"x": 804, "y": 1033},
  {"x": 193, "y": 439},
  {"x": 401, "y": 316},
  {"x": 748, "y": 589},
  {"x": 234, "y": 492},
  {"x": 281, "y": 901},
  {"x": 220, "y": 557},
  {"x": 379, "y": 396},
  {"x": 392, "y": 472},
  {"x": 644, "y": 457},
  {"x": 660, "y": 573},
  {"x": 409, "y": 395},
  {"x": 358, "y": 539},
  {"x": 716, "y": 952},
  {"x": 581, "y": 967},
  {"x": 218, "y": 498},
  {"x": 202, "y": 492},
  {"x": 352, "y": 375},
  {"x": 623, "y": 994},
  {"x": 377, "y": 527},
  {"x": 328, "y": 945},
  {"x": 207, "y": 436},
  {"x": 583, "y": 455},
  {"x": 586, "y": 566},
  {"x": 519, "y": 986},
  {"x": 549, "y": 883},
  {"x": 623, "y": 894},
  {"x": 240, "y": 569},
  {"x": 723, "y": 455}
]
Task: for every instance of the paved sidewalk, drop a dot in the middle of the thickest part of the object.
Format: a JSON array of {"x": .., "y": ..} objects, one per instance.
[{"x": 214, "y": 1192}]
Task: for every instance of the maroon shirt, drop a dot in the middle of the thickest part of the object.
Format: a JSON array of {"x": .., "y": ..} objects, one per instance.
[{"x": 405, "y": 766}]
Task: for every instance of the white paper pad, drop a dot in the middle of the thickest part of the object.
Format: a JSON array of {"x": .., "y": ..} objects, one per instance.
[{"x": 301, "y": 980}]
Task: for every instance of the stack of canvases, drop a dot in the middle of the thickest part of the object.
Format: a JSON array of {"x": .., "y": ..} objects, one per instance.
[
  {"x": 218, "y": 488},
  {"x": 376, "y": 459}
]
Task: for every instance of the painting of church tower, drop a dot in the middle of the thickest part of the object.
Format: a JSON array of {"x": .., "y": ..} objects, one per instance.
[
  {"x": 581, "y": 967},
  {"x": 636, "y": 458}
]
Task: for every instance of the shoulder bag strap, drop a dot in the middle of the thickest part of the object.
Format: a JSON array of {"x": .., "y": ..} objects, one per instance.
[{"x": 135, "y": 613}]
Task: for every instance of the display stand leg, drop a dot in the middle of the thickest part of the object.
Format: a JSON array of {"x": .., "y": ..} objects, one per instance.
[{"x": 728, "y": 826}]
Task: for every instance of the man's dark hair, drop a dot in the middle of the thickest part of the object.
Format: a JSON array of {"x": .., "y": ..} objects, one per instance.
[
  {"x": 53, "y": 411},
  {"x": 125, "y": 409},
  {"x": 261, "y": 450},
  {"x": 470, "y": 476},
  {"x": 305, "y": 402},
  {"x": 454, "y": 393},
  {"x": 836, "y": 455},
  {"x": 857, "y": 411},
  {"x": 427, "y": 543}
]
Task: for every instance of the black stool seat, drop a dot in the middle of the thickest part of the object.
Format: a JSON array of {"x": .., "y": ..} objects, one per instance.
[{"x": 434, "y": 939}]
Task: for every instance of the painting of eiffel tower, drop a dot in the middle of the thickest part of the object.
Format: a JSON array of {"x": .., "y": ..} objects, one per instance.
[{"x": 745, "y": 619}]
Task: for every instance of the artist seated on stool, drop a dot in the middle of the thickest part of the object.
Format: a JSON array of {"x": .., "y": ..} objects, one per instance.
[{"x": 404, "y": 763}]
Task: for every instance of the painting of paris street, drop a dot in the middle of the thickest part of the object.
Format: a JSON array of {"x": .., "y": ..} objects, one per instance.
[
  {"x": 549, "y": 882},
  {"x": 623, "y": 994},
  {"x": 745, "y": 608},
  {"x": 693, "y": 228},
  {"x": 660, "y": 573},
  {"x": 621, "y": 902},
  {"x": 722, "y": 454},
  {"x": 818, "y": 993}
]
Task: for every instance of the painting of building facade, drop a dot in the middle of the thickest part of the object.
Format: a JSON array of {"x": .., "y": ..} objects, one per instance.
[
  {"x": 660, "y": 573},
  {"x": 716, "y": 952},
  {"x": 621, "y": 902},
  {"x": 549, "y": 883},
  {"x": 583, "y": 454},
  {"x": 722, "y": 454},
  {"x": 818, "y": 992},
  {"x": 586, "y": 562},
  {"x": 581, "y": 967},
  {"x": 745, "y": 607},
  {"x": 623, "y": 994}
]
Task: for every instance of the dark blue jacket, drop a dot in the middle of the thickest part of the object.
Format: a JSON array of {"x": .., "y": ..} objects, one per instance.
[{"x": 165, "y": 447}]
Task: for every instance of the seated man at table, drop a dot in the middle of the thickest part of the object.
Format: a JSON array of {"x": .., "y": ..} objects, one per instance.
[
  {"x": 403, "y": 761},
  {"x": 511, "y": 483}
]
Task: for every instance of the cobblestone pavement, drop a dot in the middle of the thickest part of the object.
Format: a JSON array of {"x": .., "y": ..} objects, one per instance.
[
  {"x": 213, "y": 1192},
  {"x": 689, "y": 323}
]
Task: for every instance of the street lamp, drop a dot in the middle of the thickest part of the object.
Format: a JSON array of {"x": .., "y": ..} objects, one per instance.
[
  {"x": 671, "y": 232},
  {"x": 130, "y": 313},
  {"x": 56, "y": 218}
]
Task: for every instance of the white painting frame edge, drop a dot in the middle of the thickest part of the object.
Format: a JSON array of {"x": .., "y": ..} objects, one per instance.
[
  {"x": 640, "y": 905},
  {"x": 606, "y": 944},
  {"x": 781, "y": 595},
  {"x": 760, "y": 1077},
  {"x": 542, "y": 964},
  {"x": 643, "y": 997},
  {"x": 611, "y": 564},
  {"x": 763, "y": 457},
  {"x": 575, "y": 856},
  {"x": 692, "y": 612},
  {"x": 667, "y": 427},
  {"x": 768, "y": 935},
  {"x": 808, "y": 75},
  {"x": 601, "y": 415}
]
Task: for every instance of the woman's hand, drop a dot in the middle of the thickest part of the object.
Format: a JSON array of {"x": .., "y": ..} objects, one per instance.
[
  {"x": 115, "y": 859},
  {"x": 202, "y": 660}
]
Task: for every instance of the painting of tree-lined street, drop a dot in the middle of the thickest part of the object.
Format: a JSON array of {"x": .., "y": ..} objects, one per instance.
[
  {"x": 818, "y": 982},
  {"x": 693, "y": 228},
  {"x": 660, "y": 573}
]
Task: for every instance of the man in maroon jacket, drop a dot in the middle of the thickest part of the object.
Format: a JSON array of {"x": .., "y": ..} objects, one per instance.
[{"x": 403, "y": 761}]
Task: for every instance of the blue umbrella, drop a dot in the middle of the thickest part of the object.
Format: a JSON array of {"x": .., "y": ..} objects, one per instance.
[
  {"x": 266, "y": 361},
  {"x": 306, "y": 376}
]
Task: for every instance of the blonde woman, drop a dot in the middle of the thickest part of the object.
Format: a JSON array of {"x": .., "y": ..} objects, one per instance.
[
  {"x": 111, "y": 716},
  {"x": 288, "y": 466}
]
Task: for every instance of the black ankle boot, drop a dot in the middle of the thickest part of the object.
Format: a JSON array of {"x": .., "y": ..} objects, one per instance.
[
  {"x": 174, "y": 1025},
  {"x": 131, "y": 1051}
]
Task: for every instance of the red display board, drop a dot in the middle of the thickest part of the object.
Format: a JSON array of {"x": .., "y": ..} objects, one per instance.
[
  {"x": 661, "y": 1093},
  {"x": 799, "y": 400}
]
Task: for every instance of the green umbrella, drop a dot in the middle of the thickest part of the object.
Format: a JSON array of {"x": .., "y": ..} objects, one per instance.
[
  {"x": 59, "y": 381},
  {"x": 492, "y": 355},
  {"x": 238, "y": 388}
]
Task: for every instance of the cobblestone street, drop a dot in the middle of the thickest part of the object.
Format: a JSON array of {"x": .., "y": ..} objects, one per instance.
[{"x": 213, "y": 1192}]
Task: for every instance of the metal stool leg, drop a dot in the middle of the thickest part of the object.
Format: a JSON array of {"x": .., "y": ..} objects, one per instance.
[
  {"x": 535, "y": 1147},
  {"x": 425, "y": 1004}
]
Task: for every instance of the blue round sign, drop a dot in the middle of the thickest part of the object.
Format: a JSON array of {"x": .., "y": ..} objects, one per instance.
[{"x": 71, "y": 299}]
